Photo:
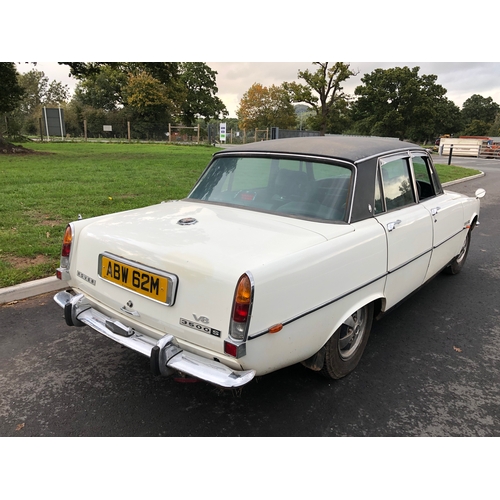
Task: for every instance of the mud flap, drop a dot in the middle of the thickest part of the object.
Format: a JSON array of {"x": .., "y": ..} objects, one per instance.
[{"x": 316, "y": 361}]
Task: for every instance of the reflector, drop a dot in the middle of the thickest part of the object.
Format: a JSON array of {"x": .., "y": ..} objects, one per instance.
[
  {"x": 230, "y": 349},
  {"x": 276, "y": 328},
  {"x": 236, "y": 351}
]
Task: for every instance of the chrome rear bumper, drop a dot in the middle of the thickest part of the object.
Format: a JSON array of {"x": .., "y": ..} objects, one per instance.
[{"x": 166, "y": 358}]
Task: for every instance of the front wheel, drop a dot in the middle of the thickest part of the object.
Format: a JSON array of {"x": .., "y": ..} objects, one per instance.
[
  {"x": 458, "y": 262},
  {"x": 345, "y": 347}
]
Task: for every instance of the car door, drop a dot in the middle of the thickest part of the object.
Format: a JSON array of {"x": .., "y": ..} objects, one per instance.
[
  {"x": 446, "y": 211},
  {"x": 408, "y": 228}
]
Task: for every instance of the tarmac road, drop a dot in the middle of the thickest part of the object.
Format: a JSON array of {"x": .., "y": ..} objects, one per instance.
[{"x": 431, "y": 368}]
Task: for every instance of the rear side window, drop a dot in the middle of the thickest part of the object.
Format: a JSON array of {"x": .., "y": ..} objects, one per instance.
[
  {"x": 396, "y": 182},
  {"x": 425, "y": 178}
]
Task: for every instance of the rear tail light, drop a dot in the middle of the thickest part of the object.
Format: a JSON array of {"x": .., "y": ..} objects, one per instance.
[
  {"x": 65, "y": 251},
  {"x": 242, "y": 307}
]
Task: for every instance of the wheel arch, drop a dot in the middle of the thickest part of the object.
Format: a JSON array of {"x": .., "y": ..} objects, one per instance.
[
  {"x": 377, "y": 300},
  {"x": 316, "y": 361},
  {"x": 474, "y": 221}
]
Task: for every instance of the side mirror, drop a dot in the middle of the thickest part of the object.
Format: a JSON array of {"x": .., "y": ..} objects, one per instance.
[{"x": 480, "y": 193}]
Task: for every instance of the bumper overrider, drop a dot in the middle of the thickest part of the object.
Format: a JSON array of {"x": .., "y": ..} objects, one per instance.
[{"x": 166, "y": 357}]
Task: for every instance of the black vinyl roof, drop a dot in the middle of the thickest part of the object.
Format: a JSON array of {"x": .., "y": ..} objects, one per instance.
[{"x": 351, "y": 148}]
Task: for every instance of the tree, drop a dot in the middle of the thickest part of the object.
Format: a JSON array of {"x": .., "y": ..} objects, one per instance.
[
  {"x": 338, "y": 119},
  {"x": 38, "y": 92},
  {"x": 143, "y": 91},
  {"x": 186, "y": 91},
  {"x": 149, "y": 104},
  {"x": 494, "y": 130},
  {"x": 398, "y": 102},
  {"x": 102, "y": 90},
  {"x": 262, "y": 107},
  {"x": 10, "y": 90},
  {"x": 477, "y": 127},
  {"x": 447, "y": 118},
  {"x": 10, "y": 94},
  {"x": 201, "y": 99},
  {"x": 479, "y": 108},
  {"x": 76, "y": 114},
  {"x": 167, "y": 73},
  {"x": 147, "y": 94},
  {"x": 102, "y": 84},
  {"x": 81, "y": 70},
  {"x": 323, "y": 91}
]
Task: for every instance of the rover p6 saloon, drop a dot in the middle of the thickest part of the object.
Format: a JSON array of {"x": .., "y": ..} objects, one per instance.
[{"x": 284, "y": 252}]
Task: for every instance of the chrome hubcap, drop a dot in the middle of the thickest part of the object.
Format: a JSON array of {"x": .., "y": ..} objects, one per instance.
[{"x": 352, "y": 333}]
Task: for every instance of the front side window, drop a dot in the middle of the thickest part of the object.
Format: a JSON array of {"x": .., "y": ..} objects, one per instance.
[
  {"x": 396, "y": 182},
  {"x": 285, "y": 186}
]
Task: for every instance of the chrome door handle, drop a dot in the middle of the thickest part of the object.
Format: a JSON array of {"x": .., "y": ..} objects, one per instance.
[
  {"x": 434, "y": 211},
  {"x": 392, "y": 225}
]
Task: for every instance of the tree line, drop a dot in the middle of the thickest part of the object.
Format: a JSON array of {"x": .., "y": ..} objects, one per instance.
[
  {"x": 396, "y": 102},
  {"x": 149, "y": 95}
]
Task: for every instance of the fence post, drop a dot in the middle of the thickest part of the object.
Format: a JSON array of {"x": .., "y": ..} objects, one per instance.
[{"x": 450, "y": 155}]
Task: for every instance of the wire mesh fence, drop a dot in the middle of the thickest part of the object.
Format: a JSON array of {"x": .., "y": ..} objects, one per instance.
[{"x": 119, "y": 130}]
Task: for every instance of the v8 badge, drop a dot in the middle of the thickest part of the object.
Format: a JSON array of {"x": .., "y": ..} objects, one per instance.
[{"x": 200, "y": 327}]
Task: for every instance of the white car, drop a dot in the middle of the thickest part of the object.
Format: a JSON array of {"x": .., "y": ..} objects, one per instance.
[{"x": 284, "y": 252}]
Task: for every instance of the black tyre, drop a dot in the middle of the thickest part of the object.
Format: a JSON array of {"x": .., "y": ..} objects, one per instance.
[
  {"x": 345, "y": 347},
  {"x": 458, "y": 262}
]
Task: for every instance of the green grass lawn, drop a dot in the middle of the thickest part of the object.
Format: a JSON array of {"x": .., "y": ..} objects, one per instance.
[
  {"x": 41, "y": 193},
  {"x": 448, "y": 173}
]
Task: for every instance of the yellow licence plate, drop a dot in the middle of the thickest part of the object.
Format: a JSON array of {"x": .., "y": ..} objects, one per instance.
[{"x": 144, "y": 280}]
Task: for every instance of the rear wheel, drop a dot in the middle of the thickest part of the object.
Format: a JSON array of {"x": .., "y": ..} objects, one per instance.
[
  {"x": 345, "y": 347},
  {"x": 458, "y": 262}
]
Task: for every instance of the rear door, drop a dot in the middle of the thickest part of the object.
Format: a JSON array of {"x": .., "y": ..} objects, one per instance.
[{"x": 408, "y": 228}]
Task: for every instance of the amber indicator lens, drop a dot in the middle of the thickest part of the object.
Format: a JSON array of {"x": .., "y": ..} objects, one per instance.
[{"x": 242, "y": 299}]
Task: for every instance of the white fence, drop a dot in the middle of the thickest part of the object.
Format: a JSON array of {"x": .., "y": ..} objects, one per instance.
[{"x": 478, "y": 148}]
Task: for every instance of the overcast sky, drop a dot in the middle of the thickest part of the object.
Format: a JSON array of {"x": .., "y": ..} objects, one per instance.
[
  {"x": 255, "y": 31},
  {"x": 460, "y": 79}
]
